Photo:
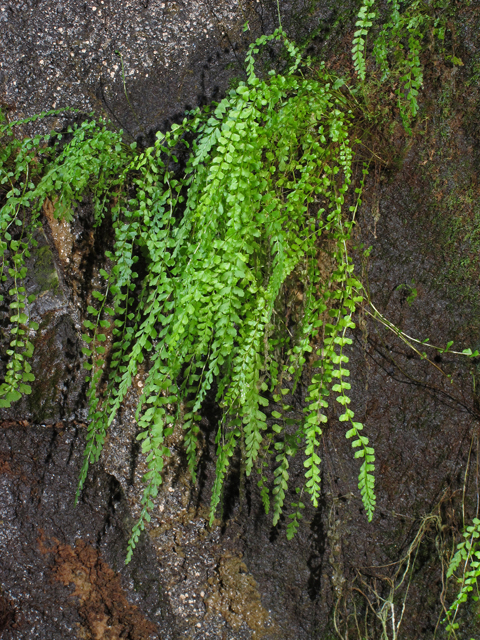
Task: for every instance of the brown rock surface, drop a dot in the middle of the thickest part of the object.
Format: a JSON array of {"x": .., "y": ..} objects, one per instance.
[{"x": 239, "y": 577}]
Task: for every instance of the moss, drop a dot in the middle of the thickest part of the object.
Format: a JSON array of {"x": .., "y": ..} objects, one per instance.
[
  {"x": 49, "y": 369},
  {"x": 44, "y": 272},
  {"x": 98, "y": 596},
  {"x": 234, "y": 594},
  {"x": 450, "y": 162}
]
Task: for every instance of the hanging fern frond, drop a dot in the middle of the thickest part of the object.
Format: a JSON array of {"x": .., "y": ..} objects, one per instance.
[
  {"x": 465, "y": 566},
  {"x": 363, "y": 24},
  {"x": 219, "y": 243},
  {"x": 399, "y": 44}
]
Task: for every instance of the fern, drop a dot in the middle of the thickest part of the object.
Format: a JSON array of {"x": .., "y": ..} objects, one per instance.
[
  {"x": 398, "y": 46},
  {"x": 295, "y": 517},
  {"x": 219, "y": 243},
  {"x": 364, "y": 22},
  {"x": 467, "y": 559}
]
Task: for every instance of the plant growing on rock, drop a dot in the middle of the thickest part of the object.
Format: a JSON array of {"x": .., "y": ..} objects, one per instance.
[
  {"x": 265, "y": 184},
  {"x": 265, "y": 203},
  {"x": 409, "y": 28}
]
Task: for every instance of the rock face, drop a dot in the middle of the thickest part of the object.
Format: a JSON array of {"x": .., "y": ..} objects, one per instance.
[
  {"x": 56, "y": 575},
  {"x": 61, "y": 571},
  {"x": 175, "y": 55}
]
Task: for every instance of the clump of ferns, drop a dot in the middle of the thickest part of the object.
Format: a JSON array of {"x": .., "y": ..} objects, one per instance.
[
  {"x": 396, "y": 56},
  {"x": 268, "y": 178}
]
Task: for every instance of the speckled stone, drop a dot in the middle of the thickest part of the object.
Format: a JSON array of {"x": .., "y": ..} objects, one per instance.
[{"x": 176, "y": 54}]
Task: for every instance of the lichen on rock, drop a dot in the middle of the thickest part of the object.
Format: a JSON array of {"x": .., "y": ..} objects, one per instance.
[{"x": 234, "y": 594}]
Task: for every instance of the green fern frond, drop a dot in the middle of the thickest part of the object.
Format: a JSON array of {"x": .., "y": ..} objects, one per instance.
[
  {"x": 466, "y": 558},
  {"x": 219, "y": 243},
  {"x": 363, "y": 24}
]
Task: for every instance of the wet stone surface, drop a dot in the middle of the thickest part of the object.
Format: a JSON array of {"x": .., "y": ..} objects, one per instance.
[
  {"x": 176, "y": 55},
  {"x": 59, "y": 389},
  {"x": 211, "y": 591},
  {"x": 62, "y": 569}
]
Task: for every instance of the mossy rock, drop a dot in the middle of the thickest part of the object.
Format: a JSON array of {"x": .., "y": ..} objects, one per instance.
[
  {"x": 44, "y": 273},
  {"x": 55, "y": 360}
]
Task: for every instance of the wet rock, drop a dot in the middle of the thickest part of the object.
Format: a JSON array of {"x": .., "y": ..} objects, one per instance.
[
  {"x": 7, "y": 614},
  {"x": 62, "y": 573},
  {"x": 104, "y": 608},
  {"x": 170, "y": 56},
  {"x": 211, "y": 591},
  {"x": 59, "y": 388},
  {"x": 235, "y": 596}
]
